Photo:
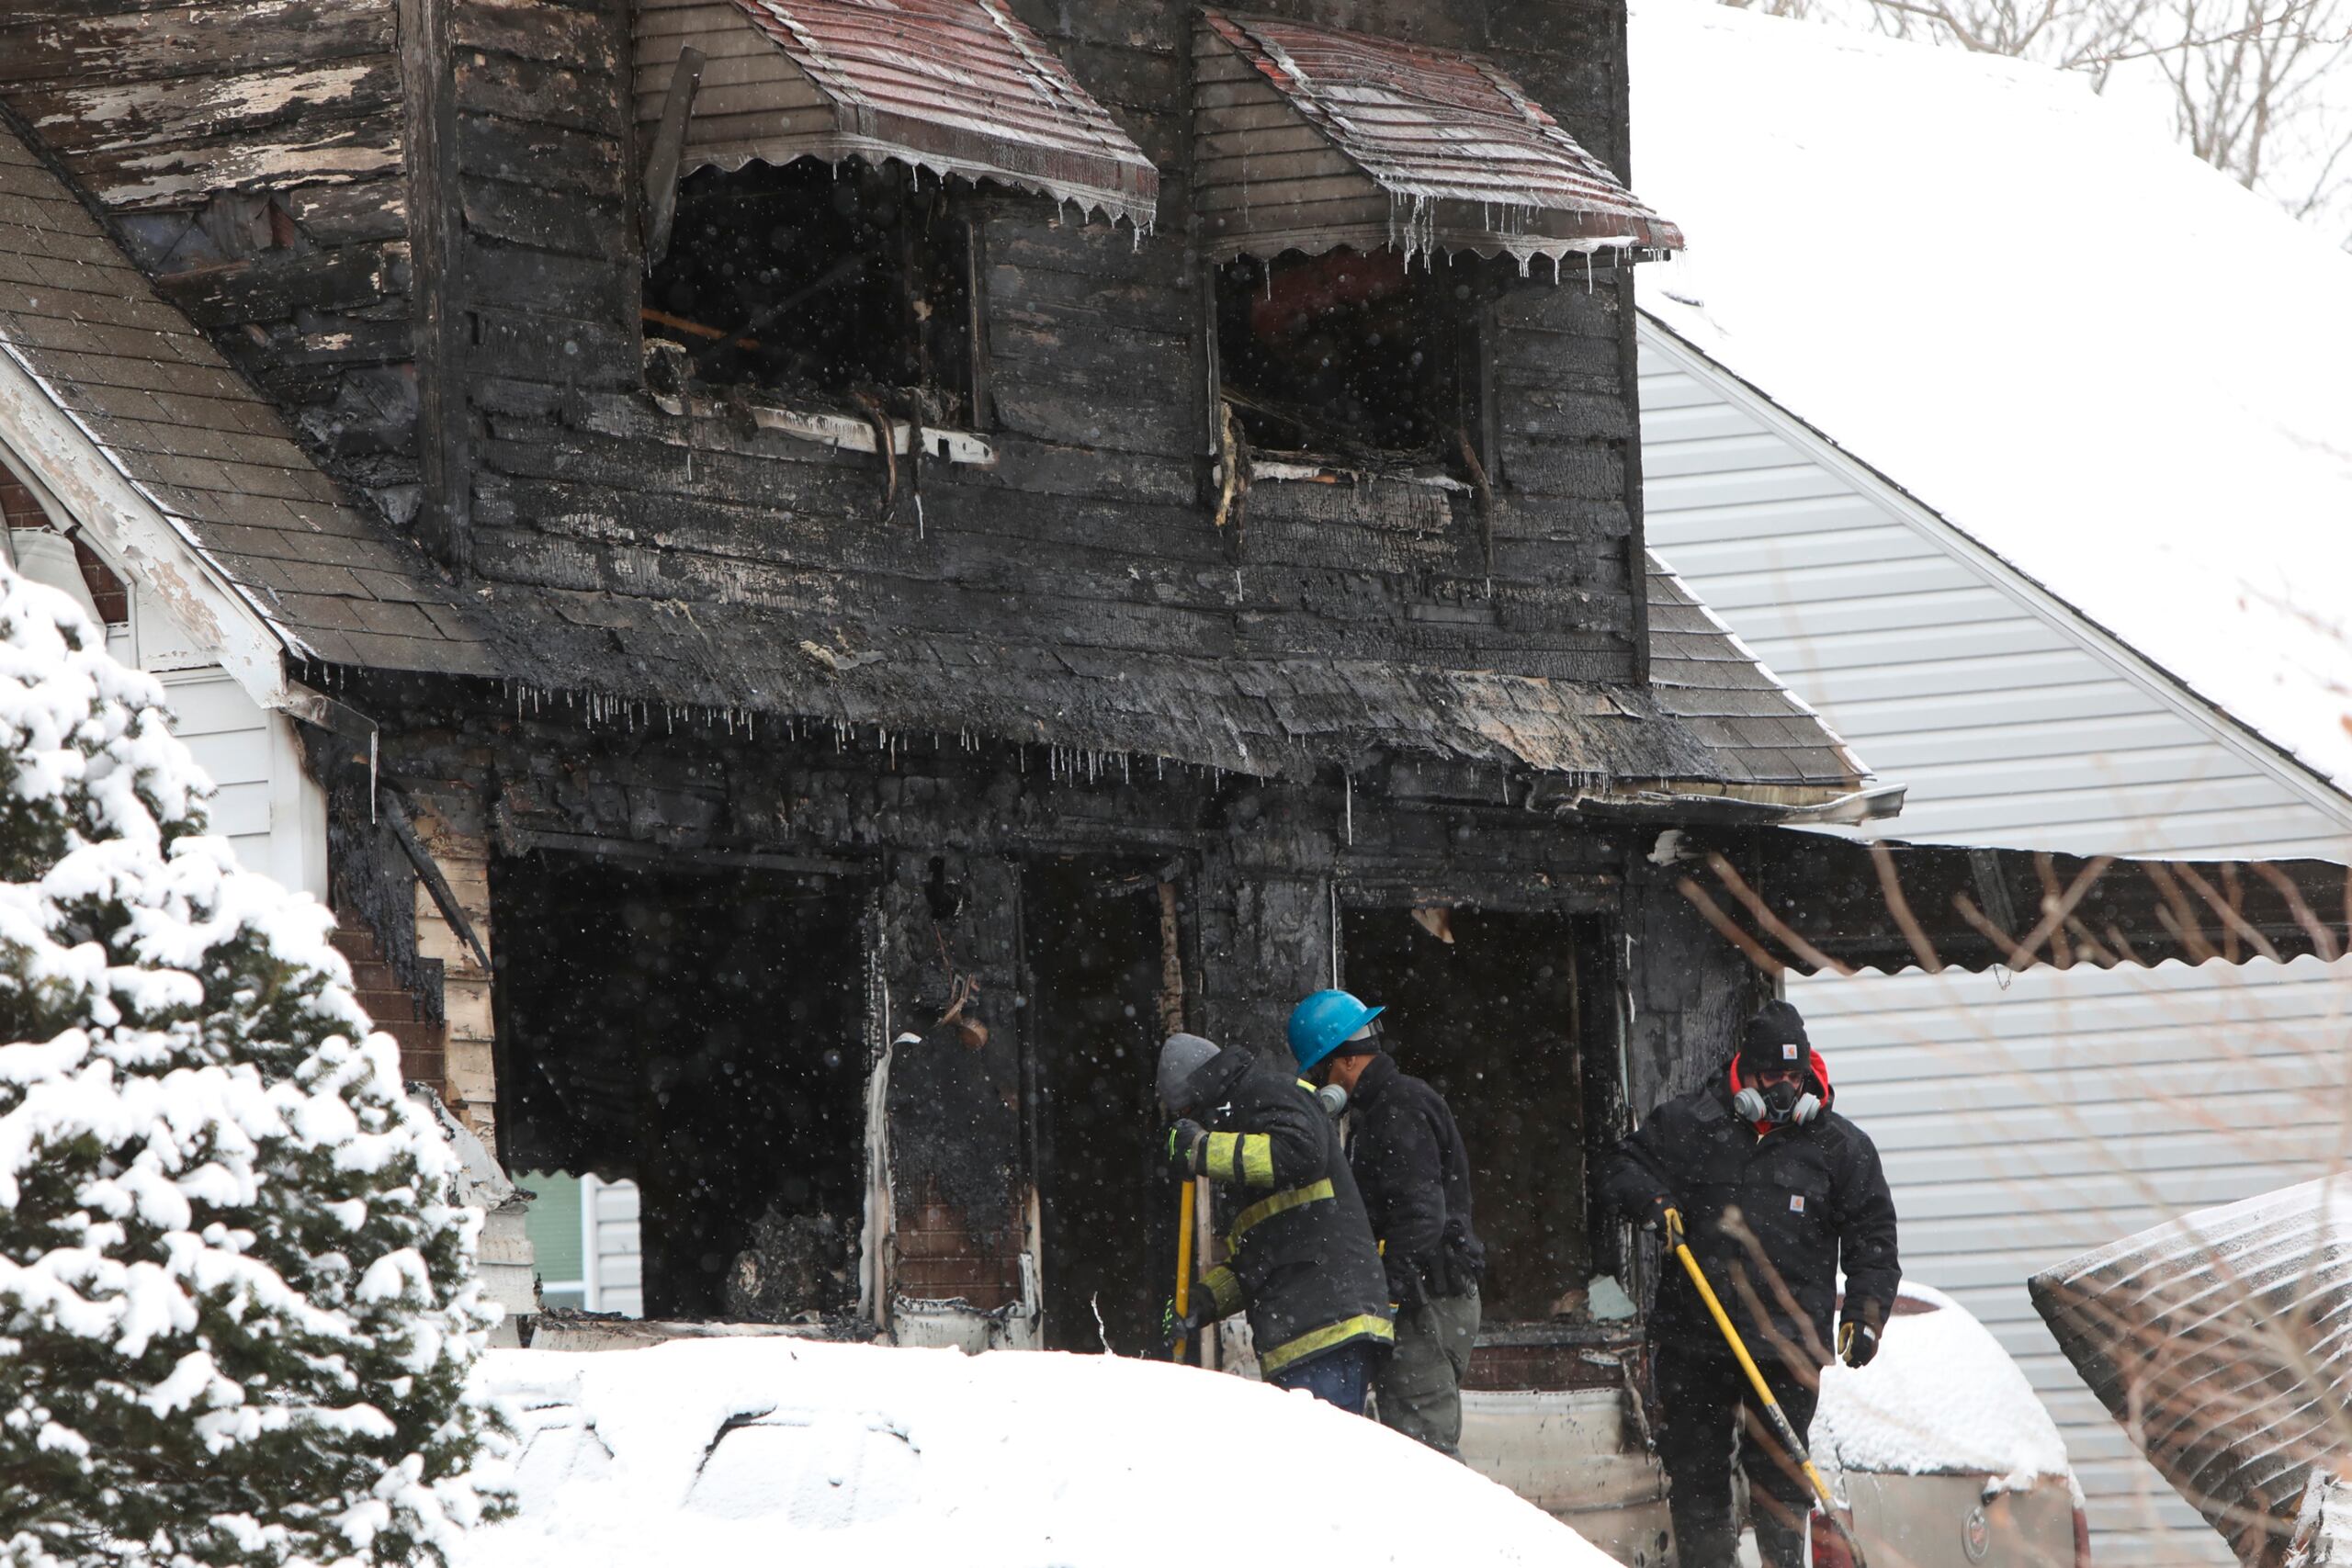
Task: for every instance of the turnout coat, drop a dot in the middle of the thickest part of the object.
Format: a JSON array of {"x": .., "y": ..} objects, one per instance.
[
  {"x": 1302, "y": 1260},
  {"x": 1772, "y": 1213}
]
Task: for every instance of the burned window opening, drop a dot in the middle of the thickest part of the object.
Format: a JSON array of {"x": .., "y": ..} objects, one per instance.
[
  {"x": 1092, "y": 940},
  {"x": 1362, "y": 358},
  {"x": 231, "y": 227},
  {"x": 699, "y": 1030},
  {"x": 823, "y": 285},
  {"x": 1505, "y": 1015}
]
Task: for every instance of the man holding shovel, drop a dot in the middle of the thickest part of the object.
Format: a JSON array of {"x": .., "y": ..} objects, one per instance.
[
  {"x": 1301, "y": 1258},
  {"x": 1774, "y": 1192}
]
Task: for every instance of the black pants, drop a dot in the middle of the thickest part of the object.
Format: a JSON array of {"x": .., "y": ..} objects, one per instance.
[{"x": 1707, "y": 1403}]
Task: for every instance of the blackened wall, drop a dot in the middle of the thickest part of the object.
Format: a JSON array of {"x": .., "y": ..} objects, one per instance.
[
  {"x": 1092, "y": 531},
  {"x": 277, "y": 128}
]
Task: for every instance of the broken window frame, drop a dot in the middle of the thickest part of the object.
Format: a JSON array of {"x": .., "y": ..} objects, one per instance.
[
  {"x": 830, "y": 414},
  {"x": 1470, "y": 464}
]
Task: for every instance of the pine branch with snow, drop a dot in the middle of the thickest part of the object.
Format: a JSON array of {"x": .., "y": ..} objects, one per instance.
[{"x": 238, "y": 1310}]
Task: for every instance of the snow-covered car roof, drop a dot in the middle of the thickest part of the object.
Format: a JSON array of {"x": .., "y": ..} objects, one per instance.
[
  {"x": 1942, "y": 1398},
  {"x": 791, "y": 1451}
]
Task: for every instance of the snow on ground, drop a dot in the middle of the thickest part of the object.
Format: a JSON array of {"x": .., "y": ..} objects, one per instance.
[
  {"x": 2094, "y": 354},
  {"x": 770, "y": 1450},
  {"x": 1943, "y": 1396}
]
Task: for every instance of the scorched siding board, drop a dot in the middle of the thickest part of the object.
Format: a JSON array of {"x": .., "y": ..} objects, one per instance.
[
  {"x": 2023, "y": 1118},
  {"x": 252, "y": 104}
]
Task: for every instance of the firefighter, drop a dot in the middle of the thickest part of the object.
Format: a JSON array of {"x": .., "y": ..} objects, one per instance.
[
  {"x": 1300, "y": 1255},
  {"x": 1776, "y": 1192},
  {"x": 1415, "y": 1176}
]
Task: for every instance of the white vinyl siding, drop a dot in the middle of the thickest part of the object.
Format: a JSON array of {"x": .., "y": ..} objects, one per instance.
[
  {"x": 583, "y": 1234},
  {"x": 266, "y": 802},
  {"x": 2022, "y": 1117},
  {"x": 612, "y": 1233}
]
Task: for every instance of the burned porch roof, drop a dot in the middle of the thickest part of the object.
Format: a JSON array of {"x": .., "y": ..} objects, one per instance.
[
  {"x": 104, "y": 367},
  {"x": 959, "y": 88},
  {"x": 1309, "y": 138},
  {"x": 1812, "y": 902}
]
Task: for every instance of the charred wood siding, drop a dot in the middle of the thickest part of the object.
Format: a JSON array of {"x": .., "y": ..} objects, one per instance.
[
  {"x": 276, "y": 130},
  {"x": 1089, "y": 531}
]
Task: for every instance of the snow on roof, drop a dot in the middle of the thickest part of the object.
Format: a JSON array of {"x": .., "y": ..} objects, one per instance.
[
  {"x": 2091, "y": 354},
  {"x": 1941, "y": 1398},
  {"x": 779, "y": 1450}
]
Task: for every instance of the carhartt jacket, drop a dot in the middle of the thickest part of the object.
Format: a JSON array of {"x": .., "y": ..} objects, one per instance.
[{"x": 1772, "y": 1213}]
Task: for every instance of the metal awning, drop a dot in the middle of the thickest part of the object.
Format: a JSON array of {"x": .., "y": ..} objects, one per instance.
[
  {"x": 1808, "y": 901},
  {"x": 1309, "y": 138},
  {"x": 959, "y": 88},
  {"x": 2221, "y": 1341}
]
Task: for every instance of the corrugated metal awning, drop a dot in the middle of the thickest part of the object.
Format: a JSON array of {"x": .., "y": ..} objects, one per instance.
[
  {"x": 1309, "y": 138},
  {"x": 1811, "y": 902},
  {"x": 959, "y": 88},
  {"x": 2221, "y": 1342}
]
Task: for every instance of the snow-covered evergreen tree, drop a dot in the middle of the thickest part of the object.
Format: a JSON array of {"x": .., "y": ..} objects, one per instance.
[{"x": 238, "y": 1309}]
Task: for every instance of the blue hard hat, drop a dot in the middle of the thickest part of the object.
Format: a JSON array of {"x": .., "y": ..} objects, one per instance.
[{"x": 1320, "y": 1023}]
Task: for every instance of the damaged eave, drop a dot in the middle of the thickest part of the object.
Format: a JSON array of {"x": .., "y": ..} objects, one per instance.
[
  {"x": 75, "y": 477},
  {"x": 1793, "y": 899}
]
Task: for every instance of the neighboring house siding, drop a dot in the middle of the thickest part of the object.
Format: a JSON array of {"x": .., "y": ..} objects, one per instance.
[
  {"x": 2023, "y": 1117},
  {"x": 583, "y": 1234},
  {"x": 267, "y": 803}
]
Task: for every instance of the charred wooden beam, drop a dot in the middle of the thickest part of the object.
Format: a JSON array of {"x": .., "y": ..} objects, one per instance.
[{"x": 664, "y": 158}]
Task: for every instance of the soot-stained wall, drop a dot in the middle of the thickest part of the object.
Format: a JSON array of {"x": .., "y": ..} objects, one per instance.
[
  {"x": 1092, "y": 529},
  {"x": 935, "y": 837}
]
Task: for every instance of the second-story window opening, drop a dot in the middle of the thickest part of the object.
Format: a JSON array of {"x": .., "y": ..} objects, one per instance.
[
  {"x": 1353, "y": 357},
  {"x": 829, "y": 284}
]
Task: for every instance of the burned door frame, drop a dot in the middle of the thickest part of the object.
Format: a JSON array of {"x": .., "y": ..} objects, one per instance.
[
  {"x": 854, "y": 880},
  {"x": 1595, "y": 904},
  {"x": 1170, "y": 881}
]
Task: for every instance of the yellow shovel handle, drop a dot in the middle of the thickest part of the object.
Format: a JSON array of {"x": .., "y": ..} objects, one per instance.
[
  {"x": 1184, "y": 1259},
  {"x": 1756, "y": 1378}
]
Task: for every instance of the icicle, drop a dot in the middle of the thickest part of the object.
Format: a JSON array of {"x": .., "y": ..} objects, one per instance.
[
  {"x": 1348, "y": 803},
  {"x": 1587, "y": 272}
]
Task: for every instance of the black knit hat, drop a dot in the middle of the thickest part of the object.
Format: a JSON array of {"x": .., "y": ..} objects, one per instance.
[{"x": 1774, "y": 1041}]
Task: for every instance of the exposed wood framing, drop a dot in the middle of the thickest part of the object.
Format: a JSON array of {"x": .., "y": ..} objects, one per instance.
[{"x": 662, "y": 158}]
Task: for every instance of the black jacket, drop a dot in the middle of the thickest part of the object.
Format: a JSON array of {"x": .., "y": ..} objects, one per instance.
[
  {"x": 1805, "y": 1194},
  {"x": 1300, "y": 1251},
  {"x": 1415, "y": 1177}
]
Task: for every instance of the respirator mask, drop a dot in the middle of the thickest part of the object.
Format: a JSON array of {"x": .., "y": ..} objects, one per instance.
[{"x": 1781, "y": 1104}]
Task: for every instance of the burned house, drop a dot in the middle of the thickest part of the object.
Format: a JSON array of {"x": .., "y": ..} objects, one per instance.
[{"x": 842, "y": 565}]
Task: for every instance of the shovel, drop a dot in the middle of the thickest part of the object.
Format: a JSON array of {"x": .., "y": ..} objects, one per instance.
[
  {"x": 1789, "y": 1440},
  {"x": 1185, "y": 1261}
]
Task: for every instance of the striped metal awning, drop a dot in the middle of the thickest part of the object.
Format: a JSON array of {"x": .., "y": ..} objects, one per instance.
[
  {"x": 1307, "y": 137},
  {"x": 2221, "y": 1341},
  {"x": 959, "y": 88},
  {"x": 1817, "y": 902}
]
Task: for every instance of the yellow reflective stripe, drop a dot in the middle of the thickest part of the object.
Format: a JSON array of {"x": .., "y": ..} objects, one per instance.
[
  {"x": 1217, "y": 1164},
  {"x": 1256, "y": 1159},
  {"x": 1225, "y": 1288},
  {"x": 1359, "y": 1326},
  {"x": 1266, "y": 1209}
]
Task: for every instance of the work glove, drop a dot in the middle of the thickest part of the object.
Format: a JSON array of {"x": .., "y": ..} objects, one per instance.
[
  {"x": 1186, "y": 1141},
  {"x": 1179, "y": 1326},
  {"x": 1666, "y": 1220},
  {"x": 1856, "y": 1343}
]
